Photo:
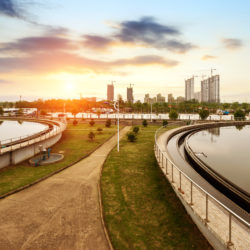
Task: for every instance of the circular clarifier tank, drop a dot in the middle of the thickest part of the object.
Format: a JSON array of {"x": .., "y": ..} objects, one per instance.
[
  {"x": 11, "y": 131},
  {"x": 224, "y": 153}
]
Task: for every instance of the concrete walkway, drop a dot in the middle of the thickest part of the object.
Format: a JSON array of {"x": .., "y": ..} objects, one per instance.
[{"x": 61, "y": 212}]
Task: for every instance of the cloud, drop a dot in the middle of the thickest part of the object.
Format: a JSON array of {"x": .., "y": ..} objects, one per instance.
[
  {"x": 38, "y": 44},
  {"x": 2, "y": 81},
  {"x": 144, "y": 32},
  {"x": 208, "y": 57},
  {"x": 58, "y": 61},
  {"x": 232, "y": 43},
  {"x": 9, "y": 8},
  {"x": 96, "y": 42}
]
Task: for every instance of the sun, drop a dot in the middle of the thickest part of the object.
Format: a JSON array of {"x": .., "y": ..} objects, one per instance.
[{"x": 69, "y": 86}]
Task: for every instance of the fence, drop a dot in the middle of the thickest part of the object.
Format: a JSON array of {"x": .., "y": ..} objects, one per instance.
[{"x": 229, "y": 228}]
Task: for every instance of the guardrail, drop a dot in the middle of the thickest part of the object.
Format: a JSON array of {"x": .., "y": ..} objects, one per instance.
[
  {"x": 229, "y": 228},
  {"x": 57, "y": 129}
]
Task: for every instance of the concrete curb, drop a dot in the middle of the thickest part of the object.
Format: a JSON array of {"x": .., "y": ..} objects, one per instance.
[{"x": 53, "y": 173}]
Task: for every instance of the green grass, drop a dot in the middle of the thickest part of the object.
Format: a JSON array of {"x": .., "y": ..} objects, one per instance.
[
  {"x": 74, "y": 144},
  {"x": 141, "y": 210}
]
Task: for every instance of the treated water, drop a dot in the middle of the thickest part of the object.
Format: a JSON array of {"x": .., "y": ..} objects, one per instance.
[
  {"x": 227, "y": 151},
  {"x": 16, "y": 129}
]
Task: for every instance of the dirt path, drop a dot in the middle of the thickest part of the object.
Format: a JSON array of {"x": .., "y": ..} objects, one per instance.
[{"x": 61, "y": 212}]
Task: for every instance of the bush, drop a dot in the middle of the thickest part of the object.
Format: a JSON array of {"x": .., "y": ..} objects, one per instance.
[
  {"x": 239, "y": 114},
  {"x": 92, "y": 123},
  {"x": 145, "y": 123},
  {"x": 108, "y": 123},
  {"x": 164, "y": 123},
  {"x": 131, "y": 136},
  {"x": 91, "y": 135},
  {"x": 75, "y": 122},
  {"x": 43, "y": 112},
  {"x": 136, "y": 129},
  {"x": 204, "y": 113},
  {"x": 173, "y": 114},
  {"x": 1, "y": 111},
  {"x": 99, "y": 130}
]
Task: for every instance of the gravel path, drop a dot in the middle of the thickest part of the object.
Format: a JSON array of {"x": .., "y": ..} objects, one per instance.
[{"x": 61, "y": 212}]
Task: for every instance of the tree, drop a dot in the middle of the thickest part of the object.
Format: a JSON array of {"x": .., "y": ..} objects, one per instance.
[
  {"x": 164, "y": 123},
  {"x": 136, "y": 129},
  {"x": 145, "y": 123},
  {"x": 99, "y": 130},
  {"x": 1, "y": 111},
  {"x": 91, "y": 135},
  {"x": 173, "y": 114},
  {"x": 75, "y": 122},
  {"x": 108, "y": 123},
  {"x": 131, "y": 136},
  {"x": 239, "y": 114},
  {"x": 204, "y": 113},
  {"x": 92, "y": 123}
]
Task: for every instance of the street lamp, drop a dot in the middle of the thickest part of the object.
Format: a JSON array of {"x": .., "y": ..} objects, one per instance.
[{"x": 116, "y": 106}]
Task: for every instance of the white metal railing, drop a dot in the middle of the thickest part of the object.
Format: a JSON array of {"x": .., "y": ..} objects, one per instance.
[
  {"x": 57, "y": 129},
  {"x": 221, "y": 219}
]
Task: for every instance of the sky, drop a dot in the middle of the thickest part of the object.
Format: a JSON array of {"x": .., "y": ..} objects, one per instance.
[{"x": 64, "y": 49}]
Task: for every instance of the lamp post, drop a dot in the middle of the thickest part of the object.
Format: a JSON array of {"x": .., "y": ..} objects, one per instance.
[
  {"x": 151, "y": 112},
  {"x": 116, "y": 106}
]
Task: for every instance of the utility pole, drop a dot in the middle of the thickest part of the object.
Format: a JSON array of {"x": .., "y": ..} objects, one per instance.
[{"x": 117, "y": 109}]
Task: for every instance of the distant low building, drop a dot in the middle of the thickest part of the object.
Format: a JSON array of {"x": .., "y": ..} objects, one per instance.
[
  {"x": 171, "y": 98},
  {"x": 160, "y": 98},
  {"x": 180, "y": 99}
]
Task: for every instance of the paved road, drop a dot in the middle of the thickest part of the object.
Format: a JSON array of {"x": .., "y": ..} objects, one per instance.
[{"x": 61, "y": 212}]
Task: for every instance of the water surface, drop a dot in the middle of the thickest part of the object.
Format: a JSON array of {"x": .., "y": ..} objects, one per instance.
[
  {"x": 16, "y": 129},
  {"x": 227, "y": 151}
]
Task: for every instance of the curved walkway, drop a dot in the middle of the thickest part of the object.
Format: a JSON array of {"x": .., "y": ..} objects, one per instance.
[{"x": 61, "y": 212}]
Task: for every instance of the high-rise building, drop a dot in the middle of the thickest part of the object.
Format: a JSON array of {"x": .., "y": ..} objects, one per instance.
[
  {"x": 214, "y": 89},
  {"x": 110, "y": 92},
  {"x": 171, "y": 98},
  {"x": 197, "y": 96},
  {"x": 204, "y": 90},
  {"x": 147, "y": 99},
  {"x": 130, "y": 97},
  {"x": 189, "y": 89}
]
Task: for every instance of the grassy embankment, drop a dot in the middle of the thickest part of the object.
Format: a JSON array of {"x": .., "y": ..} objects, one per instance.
[
  {"x": 141, "y": 210},
  {"x": 74, "y": 144}
]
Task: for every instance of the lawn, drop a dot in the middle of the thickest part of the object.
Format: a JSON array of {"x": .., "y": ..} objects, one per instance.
[
  {"x": 141, "y": 211},
  {"x": 74, "y": 144}
]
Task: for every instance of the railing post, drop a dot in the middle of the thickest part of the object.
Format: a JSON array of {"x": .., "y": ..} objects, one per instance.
[
  {"x": 206, "y": 219},
  {"x": 191, "y": 193},
  {"x": 180, "y": 182},
  {"x": 162, "y": 160},
  {"x": 172, "y": 173},
  {"x": 166, "y": 166},
  {"x": 229, "y": 243}
]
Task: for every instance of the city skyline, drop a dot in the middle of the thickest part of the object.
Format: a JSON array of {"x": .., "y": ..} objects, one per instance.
[{"x": 61, "y": 49}]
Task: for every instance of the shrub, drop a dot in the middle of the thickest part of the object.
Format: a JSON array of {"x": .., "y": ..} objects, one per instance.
[
  {"x": 239, "y": 114},
  {"x": 173, "y": 114},
  {"x": 99, "y": 130},
  {"x": 164, "y": 123},
  {"x": 43, "y": 112},
  {"x": 108, "y": 123},
  {"x": 136, "y": 129},
  {"x": 92, "y": 123},
  {"x": 131, "y": 136},
  {"x": 145, "y": 123},
  {"x": 1, "y": 111},
  {"x": 91, "y": 135},
  {"x": 75, "y": 122},
  {"x": 204, "y": 113}
]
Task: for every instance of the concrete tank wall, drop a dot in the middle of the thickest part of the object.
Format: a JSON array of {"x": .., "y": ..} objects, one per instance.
[{"x": 19, "y": 155}]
